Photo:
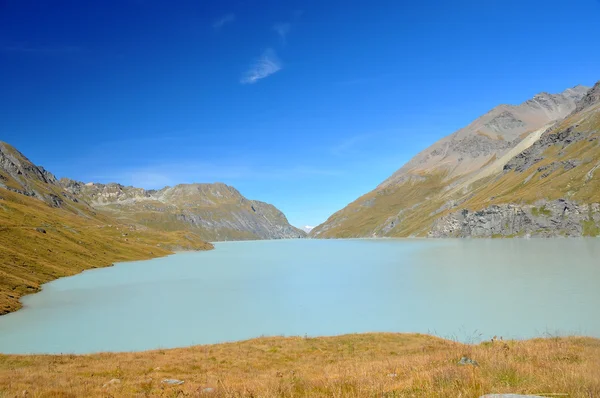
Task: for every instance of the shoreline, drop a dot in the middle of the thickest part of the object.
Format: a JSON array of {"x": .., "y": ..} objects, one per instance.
[
  {"x": 249, "y": 340},
  {"x": 20, "y": 305}
]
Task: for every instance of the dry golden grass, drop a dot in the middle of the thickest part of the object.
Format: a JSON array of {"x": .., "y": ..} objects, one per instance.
[
  {"x": 71, "y": 243},
  {"x": 408, "y": 204},
  {"x": 364, "y": 365}
]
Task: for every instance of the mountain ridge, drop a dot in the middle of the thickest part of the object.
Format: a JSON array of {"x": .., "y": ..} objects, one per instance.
[
  {"x": 216, "y": 211},
  {"x": 456, "y": 173},
  {"x": 51, "y": 228}
]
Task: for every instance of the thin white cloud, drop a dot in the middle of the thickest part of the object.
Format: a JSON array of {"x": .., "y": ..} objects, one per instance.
[
  {"x": 265, "y": 66},
  {"x": 349, "y": 146},
  {"x": 224, "y": 20},
  {"x": 282, "y": 29}
]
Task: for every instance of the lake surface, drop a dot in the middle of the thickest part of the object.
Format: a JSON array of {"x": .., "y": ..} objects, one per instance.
[{"x": 463, "y": 289}]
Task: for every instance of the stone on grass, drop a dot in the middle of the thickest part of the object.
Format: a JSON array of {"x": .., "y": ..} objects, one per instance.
[
  {"x": 112, "y": 382},
  {"x": 174, "y": 382},
  {"x": 509, "y": 396},
  {"x": 467, "y": 361}
]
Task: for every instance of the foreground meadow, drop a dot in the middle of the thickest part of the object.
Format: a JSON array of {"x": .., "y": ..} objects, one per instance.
[{"x": 361, "y": 365}]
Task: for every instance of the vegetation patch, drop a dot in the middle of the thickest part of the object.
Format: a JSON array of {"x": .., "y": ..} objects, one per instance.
[
  {"x": 40, "y": 243},
  {"x": 362, "y": 365},
  {"x": 590, "y": 228},
  {"x": 541, "y": 211}
]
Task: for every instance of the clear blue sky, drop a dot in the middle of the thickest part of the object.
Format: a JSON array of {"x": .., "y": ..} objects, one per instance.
[{"x": 303, "y": 104}]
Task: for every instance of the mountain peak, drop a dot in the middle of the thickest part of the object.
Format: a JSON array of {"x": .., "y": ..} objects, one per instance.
[
  {"x": 490, "y": 136},
  {"x": 15, "y": 165},
  {"x": 473, "y": 182},
  {"x": 591, "y": 97}
]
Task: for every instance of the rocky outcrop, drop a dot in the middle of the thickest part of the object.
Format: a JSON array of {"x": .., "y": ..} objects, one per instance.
[
  {"x": 592, "y": 97},
  {"x": 18, "y": 167},
  {"x": 544, "y": 219},
  {"x": 535, "y": 153},
  {"x": 18, "y": 174},
  {"x": 214, "y": 211}
]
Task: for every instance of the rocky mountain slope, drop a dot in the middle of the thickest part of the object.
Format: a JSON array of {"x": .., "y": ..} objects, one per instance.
[
  {"x": 213, "y": 211},
  {"x": 526, "y": 170},
  {"x": 46, "y": 232}
]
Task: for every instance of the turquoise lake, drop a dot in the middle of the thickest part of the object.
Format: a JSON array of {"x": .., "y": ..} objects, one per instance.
[{"x": 469, "y": 290}]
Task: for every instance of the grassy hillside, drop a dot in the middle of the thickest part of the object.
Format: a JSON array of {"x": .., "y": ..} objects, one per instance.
[
  {"x": 395, "y": 210},
  {"x": 563, "y": 163},
  {"x": 40, "y": 243},
  {"x": 566, "y": 169},
  {"x": 366, "y": 365}
]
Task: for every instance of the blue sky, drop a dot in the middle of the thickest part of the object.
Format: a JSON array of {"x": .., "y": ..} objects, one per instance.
[{"x": 303, "y": 104}]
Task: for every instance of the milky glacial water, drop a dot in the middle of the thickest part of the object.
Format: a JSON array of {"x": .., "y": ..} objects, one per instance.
[{"x": 467, "y": 290}]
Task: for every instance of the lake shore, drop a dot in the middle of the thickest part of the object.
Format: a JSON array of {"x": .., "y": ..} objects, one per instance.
[
  {"x": 380, "y": 364},
  {"x": 61, "y": 251}
]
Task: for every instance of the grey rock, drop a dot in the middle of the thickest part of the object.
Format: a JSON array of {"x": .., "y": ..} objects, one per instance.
[
  {"x": 534, "y": 154},
  {"x": 479, "y": 145},
  {"x": 207, "y": 390},
  {"x": 510, "y": 396},
  {"x": 504, "y": 121},
  {"x": 112, "y": 382},
  {"x": 29, "y": 179},
  {"x": 172, "y": 381},
  {"x": 544, "y": 219},
  {"x": 468, "y": 361},
  {"x": 591, "y": 98}
]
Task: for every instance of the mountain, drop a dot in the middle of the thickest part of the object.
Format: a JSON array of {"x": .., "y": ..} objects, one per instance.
[
  {"x": 214, "y": 211},
  {"x": 51, "y": 228},
  {"x": 521, "y": 170},
  {"x": 46, "y": 232}
]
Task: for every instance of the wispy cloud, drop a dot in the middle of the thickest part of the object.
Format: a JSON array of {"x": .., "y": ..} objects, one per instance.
[
  {"x": 224, "y": 20},
  {"x": 265, "y": 66},
  {"x": 349, "y": 146},
  {"x": 282, "y": 29}
]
